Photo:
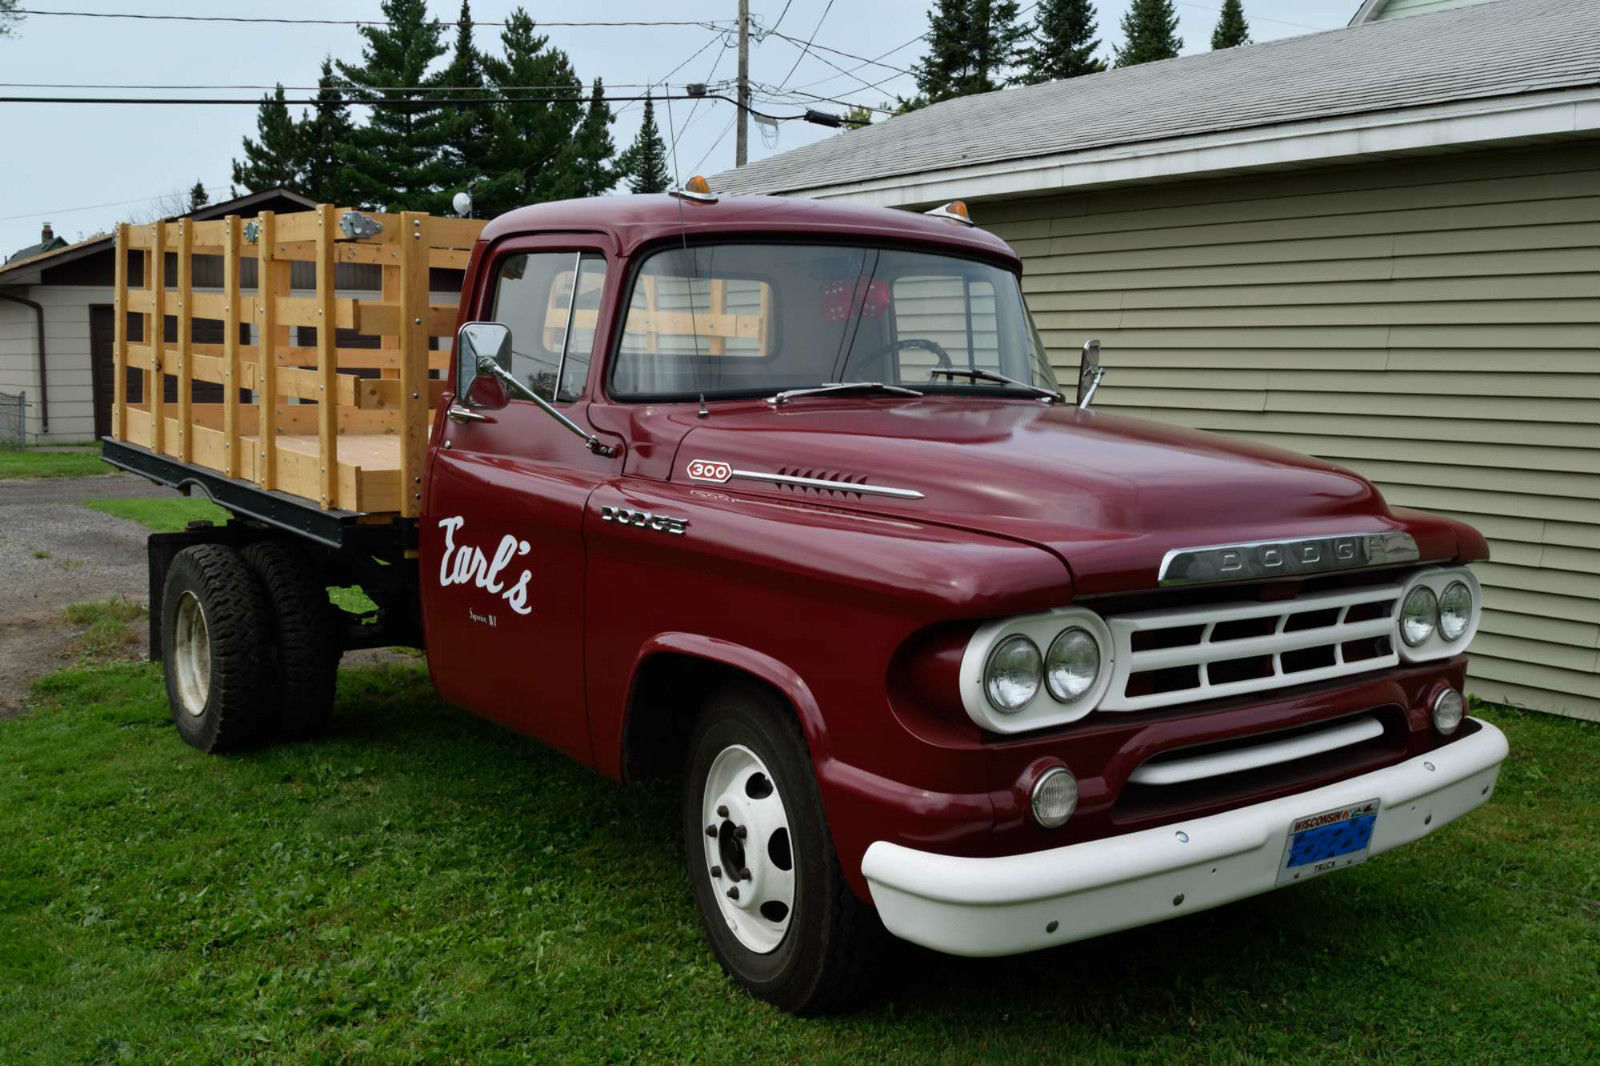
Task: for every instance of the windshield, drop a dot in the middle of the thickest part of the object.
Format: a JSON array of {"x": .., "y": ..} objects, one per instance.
[{"x": 754, "y": 319}]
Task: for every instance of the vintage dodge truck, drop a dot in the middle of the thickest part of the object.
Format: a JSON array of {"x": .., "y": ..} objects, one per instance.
[{"x": 783, "y": 498}]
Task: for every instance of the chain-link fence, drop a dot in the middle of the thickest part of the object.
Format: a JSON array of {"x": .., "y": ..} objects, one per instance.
[{"x": 13, "y": 421}]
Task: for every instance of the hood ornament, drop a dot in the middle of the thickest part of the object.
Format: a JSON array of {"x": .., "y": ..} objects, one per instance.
[{"x": 1089, "y": 374}]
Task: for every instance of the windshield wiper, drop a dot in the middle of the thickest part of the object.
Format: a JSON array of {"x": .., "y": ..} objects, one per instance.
[
  {"x": 989, "y": 375},
  {"x": 779, "y": 399}
]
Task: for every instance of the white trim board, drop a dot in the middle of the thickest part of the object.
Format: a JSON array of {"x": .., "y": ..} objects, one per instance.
[{"x": 1459, "y": 124}]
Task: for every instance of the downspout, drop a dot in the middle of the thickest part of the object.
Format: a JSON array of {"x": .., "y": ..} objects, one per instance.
[{"x": 44, "y": 392}]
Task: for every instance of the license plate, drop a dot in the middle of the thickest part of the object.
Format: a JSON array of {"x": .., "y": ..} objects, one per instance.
[{"x": 1327, "y": 841}]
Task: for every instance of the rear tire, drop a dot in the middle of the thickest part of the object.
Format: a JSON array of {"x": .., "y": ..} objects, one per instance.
[
  {"x": 304, "y": 634},
  {"x": 216, "y": 641},
  {"x": 813, "y": 954}
]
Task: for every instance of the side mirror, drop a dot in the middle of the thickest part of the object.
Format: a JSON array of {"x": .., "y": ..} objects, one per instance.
[
  {"x": 1089, "y": 373},
  {"x": 481, "y": 347}
]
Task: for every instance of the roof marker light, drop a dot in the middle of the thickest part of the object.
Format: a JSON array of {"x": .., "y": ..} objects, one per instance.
[
  {"x": 697, "y": 189},
  {"x": 954, "y": 211}
]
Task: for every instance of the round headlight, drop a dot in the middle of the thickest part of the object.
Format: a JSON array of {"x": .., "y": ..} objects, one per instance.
[
  {"x": 1072, "y": 664},
  {"x": 1448, "y": 707},
  {"x": 1011, "y": 677},
  {"x": 1055, "y": 797},
  {"x": 1417, "y": 616},
  {"x": 1455, "y": 610}
]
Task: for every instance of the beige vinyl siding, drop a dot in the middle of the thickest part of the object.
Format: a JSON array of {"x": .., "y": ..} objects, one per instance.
[
  {"x": 1433, "y": 324},
  {"x": 1399, "y": 9}
]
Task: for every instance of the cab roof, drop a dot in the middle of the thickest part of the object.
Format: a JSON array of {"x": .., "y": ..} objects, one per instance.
[{"x": 635, "y": 221}]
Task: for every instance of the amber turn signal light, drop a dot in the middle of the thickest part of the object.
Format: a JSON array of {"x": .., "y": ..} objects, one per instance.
[{"x": 954, "y": 211}]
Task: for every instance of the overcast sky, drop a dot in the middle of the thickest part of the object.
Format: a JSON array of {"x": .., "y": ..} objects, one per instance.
[{"x": 82, "y": 167}]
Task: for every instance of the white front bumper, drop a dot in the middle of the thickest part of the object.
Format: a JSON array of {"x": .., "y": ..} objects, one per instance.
[{"x": 1016, "y": 903}]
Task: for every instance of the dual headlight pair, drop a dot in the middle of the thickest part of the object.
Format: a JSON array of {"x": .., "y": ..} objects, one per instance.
[
  {"x": 1449, "y": 612},
  {"x": 1015, "y": 670}
]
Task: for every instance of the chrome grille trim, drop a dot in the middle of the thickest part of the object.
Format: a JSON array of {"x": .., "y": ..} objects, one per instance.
[
  {"x": 1203, "y": 653},
  {"x": 1176, "y": 768}
]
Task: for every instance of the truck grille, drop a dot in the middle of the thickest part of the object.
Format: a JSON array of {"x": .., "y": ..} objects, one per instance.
[{"x": 1167, "y": 657}]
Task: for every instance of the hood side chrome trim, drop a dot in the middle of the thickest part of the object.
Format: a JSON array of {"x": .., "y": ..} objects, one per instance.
[{"x": 832, "y": 486}]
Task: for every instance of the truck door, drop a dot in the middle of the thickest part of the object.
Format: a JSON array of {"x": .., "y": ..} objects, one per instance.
[{"x": 501, "y": 542}]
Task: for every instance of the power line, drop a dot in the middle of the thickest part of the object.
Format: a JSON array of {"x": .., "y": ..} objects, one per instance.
[
  {"x": 710, "y": 24},
  {"x": 805, "y": 49},
  {"x": 692, "y": 56},
  {"x": 88, "y": 207},
  {"x": 307, "y": 88},
  {"x": 431, "y": 101},
  {"x": 869, "y": 62},
  {"x": 812, "y": 46}
]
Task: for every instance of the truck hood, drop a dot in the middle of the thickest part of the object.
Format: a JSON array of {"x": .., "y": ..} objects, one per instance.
[{"x": 1109, "y": 495}]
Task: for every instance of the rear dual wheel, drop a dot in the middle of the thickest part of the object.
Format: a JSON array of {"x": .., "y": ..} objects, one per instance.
[
  {"x": 249, "y": 646},
  {"x": 761, "y": 863}
]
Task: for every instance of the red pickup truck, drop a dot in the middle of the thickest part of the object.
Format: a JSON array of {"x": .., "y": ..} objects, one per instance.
[{"x": 783, "y": 498}]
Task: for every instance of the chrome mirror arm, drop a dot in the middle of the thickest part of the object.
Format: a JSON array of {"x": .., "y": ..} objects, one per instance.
[
  {"x": 1090, "y": 373},
  {"x": 487, "y": 365}
]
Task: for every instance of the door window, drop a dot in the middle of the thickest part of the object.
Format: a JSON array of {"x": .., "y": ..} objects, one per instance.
[{"x": 551, "y": 303}]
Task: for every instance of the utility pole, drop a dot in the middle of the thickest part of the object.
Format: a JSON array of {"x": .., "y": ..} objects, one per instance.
[{"x": 741, "y": 145}]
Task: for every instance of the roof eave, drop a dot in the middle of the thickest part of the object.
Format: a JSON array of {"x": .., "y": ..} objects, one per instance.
[{"x": 1458, "y": 124}]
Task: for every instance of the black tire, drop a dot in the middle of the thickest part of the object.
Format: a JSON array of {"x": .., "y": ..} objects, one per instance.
[
  {"x": 232, "y": 650},
  {"x": 305, "y": 636},
  {"x": 824, "y": 959}
]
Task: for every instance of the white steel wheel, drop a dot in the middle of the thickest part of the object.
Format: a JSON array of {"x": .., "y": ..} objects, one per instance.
[
  {"x": 748, "y": 849},
  {"x": 191, "y": 654}
]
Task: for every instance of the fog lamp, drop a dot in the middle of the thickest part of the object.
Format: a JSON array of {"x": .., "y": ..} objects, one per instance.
[
  {"x": 1448, "y": 707},
  {"x": 1055, "y": 797}
]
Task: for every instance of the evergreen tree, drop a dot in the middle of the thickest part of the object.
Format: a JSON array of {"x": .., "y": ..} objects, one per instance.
[
  {"x": 325, "y": 136},
  {"x": 971, "y": 46},
  {"x": 1232, "y": 30},
  {"x": 529, "y": 138},
  {"x": 273, "y": 160},
  {"x": 198, "y": 197},
  {"x": 1064, "y": 42},
  {"x": 466, "y": 147},
  {"x": 644, "y": 163},
  {"x": 587, "y": 163},
  {"x": 8, "y": 17},
  {"x": 1150, "y": 32},
  {"x": 858, "y": 116},
  {"x": 396, "y": 159}
]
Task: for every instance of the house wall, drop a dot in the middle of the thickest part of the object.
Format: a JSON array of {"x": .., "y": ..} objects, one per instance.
[
  {"x": 1399, "y": 9},
  {"x": 66, "y": 331},
  {"x": 1433, "y": 324}
]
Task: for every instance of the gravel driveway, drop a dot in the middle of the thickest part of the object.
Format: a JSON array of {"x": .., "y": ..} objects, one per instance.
[{"x": 55, "y": 552}]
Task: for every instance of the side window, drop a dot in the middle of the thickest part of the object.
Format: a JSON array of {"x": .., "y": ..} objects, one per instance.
[
  {"x": 953, "y": 311},
  {"x": 534, "y": 296}
]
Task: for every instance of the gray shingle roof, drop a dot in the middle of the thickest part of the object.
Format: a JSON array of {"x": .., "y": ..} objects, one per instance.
[{"x": 1500, "y": 48}]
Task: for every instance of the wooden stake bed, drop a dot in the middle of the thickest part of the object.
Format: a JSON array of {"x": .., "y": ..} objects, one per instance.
[{"x": 309, "y": 425}]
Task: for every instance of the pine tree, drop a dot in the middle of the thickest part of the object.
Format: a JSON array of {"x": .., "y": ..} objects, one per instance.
[
  {"x": 198, "y": 197},
  {"x": 1064, "y": 42},
  {"x": 396, "y": 159},
  {"x": 470, "y": 127},
  {"x": 971, "y": 46},
  {"x": 644, "y": 162},
  {"x": 587, "y": 163},
  {"x": 8, "y": 17},
  {"x": 858, "y": 116},
  {"x": 1232, "y": 30},
  {"x": 325, "y": 136},
  {"x": 1150, "y": 32},
  {"x": 528, "y": 137},
  {"x": 273, "y": 159}
]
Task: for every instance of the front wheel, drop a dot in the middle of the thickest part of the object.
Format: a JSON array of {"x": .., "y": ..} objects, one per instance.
[{"x": 761, "y": 861}]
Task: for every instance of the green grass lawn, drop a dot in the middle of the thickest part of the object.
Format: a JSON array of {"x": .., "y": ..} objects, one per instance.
[
  {"x": 424, "y": 887},
  {"x": 78, "y": 462},
  {"x": 161, "y": 514}
]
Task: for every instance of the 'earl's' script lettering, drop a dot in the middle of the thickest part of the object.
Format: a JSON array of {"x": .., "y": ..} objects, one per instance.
[{"x": 464, "y": 564}]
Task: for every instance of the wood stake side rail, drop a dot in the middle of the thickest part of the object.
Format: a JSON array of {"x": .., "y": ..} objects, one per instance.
[{"x": 313, "y": 428}]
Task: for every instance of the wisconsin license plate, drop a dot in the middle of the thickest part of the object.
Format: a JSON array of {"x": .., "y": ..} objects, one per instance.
[{"x": 1328, "y": 840}]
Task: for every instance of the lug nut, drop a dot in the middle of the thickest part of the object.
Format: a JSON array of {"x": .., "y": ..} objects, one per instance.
[
  {"x": 716, "y": 871},
  {"x": 744, "y": 874},
  {"x": 722, "y": 812},
  {"x": 740, "y": 832},
  {"x": 733, "y": 893},
  {"x": 711, "y": 830}
]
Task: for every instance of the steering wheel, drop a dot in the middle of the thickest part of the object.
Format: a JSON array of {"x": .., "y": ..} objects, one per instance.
[{"x": 921, "y": 343}]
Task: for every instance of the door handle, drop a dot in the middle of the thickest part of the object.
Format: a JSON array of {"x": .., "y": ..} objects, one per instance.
[{"x": 457, "y": 413}]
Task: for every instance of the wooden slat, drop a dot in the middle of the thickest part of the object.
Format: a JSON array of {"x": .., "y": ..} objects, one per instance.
[
  {"x": 214, "y": 305},
  {"x": 391, "y": 294},
  {"x": 385, "y": 393},
  {"x": 451, "y": 232},
  {"x": 304, "y": 311},
  {"x": 414, "y": 332},
  {"x": 155, "y": 333},
  {"x": 269, "y": 276},
  {"x": 139, "y": 300},
  {"x": 369, "y": 317},
  {"x": 119, "y": 335},
  {"x": 327, "y": 362},
  {"x": 232, "y": 313},
  {"x": 185, "y": 239}
]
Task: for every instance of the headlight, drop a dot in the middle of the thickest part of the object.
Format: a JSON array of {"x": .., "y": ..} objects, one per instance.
[
  {"x": 1072, "y": 664},
  {"x": 1455, "y": 610},
  {"x": 1055, "y": 797},
  {"x": 1011, "y": 677},
  {"x": 1417, "y": 616}
]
